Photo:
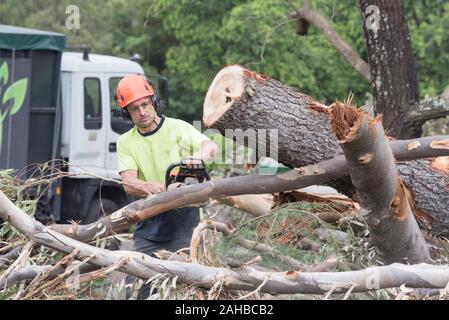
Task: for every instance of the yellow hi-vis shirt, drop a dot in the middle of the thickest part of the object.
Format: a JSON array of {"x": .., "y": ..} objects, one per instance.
[{"x": 151, "y": 153}]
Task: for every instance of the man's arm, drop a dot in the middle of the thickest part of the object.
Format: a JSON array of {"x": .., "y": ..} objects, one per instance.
[{"x": 137, "y": 187}]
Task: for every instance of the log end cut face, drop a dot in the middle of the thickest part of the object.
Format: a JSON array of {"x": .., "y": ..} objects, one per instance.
[{"x": 227, "y": 86}]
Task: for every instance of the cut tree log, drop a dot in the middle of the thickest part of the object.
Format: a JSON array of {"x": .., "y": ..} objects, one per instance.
[
  {"x": 383, "y": 197},
  {"x": 242, "y": 99},
  {"x": 254, "y": 204}
]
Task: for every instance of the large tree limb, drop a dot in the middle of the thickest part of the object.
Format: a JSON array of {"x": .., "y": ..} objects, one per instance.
[
  {"x": 382, "y": 195},
  {"x": 432, "y": 108},
  {"x": 241, "y": 99},
  {"x": 293, "y": 179}
]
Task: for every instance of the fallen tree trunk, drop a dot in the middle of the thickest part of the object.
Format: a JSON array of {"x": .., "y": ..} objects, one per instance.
[
  {"x": 244, "y": 278},
  {"x": 294, "y": 179},
  {"x": 383, "y": 198},
  {"x": 241, "y": 99}
]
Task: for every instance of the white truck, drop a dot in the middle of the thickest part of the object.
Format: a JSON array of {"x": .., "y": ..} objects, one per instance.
[{"x": 67, "y": 113}]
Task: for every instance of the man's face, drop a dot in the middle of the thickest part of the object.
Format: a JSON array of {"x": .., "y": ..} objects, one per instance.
[{"x": 142, "y": 112}]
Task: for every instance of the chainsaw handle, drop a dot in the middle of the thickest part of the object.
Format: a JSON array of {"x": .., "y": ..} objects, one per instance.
[
  {"x": 167, "y": 173},
  {"x": 207, "y": 177}
]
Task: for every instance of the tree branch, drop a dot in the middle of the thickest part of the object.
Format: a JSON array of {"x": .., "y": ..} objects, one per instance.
[
  {"x": 23, "y": 274},
  {"x": 383, "y": 197},
  {"x": 23, "y": 256},
  {"x": 326, "y": 170},
  {"x": 244, "y": 278},
  {"x": 432, "y": 108},
  {"x": 295, "y": 122},
  {"x": 309, "y": 14}
]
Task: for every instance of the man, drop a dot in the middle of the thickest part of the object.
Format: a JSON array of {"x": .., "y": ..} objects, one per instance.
[{"x": 145, "y": 152}]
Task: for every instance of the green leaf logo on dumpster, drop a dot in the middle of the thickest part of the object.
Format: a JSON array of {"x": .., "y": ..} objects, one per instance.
[{"x": 12, "y": 97}]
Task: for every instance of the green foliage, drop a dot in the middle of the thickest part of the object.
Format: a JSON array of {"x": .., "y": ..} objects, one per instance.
[
  {"x": 288, "y": 227},
  {"x": 8, "y": 293},
  {"x": 15, "y": 190},
  {"x": 428, "y": 23}
]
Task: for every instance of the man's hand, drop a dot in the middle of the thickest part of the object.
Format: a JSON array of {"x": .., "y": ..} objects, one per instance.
[
  {"x": 153, "y": 188},
  {"x": 137, "y": 187}
]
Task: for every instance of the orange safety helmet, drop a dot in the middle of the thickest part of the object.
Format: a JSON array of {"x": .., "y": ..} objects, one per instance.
[{"x": 132, "y": 87}]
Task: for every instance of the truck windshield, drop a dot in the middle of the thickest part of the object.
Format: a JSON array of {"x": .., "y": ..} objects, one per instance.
[{"x": 118, "y": 124}]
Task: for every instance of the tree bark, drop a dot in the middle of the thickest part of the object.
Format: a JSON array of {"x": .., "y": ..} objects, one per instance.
[
  {"x": 384, "y": 201},
  {"x": 241, "y": 99},
  {"x": 393, "y": 71},
  {"x": 428, "y": 109},
  {"x": 10, "y": 256},
  {"x": 23, "y": 274}
]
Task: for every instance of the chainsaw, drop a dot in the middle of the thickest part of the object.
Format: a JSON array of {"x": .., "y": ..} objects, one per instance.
[{"x": 186, "y": 172}]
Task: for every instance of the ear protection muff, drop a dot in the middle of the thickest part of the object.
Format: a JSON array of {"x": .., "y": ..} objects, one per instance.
[{"x": 124, "y": 113}]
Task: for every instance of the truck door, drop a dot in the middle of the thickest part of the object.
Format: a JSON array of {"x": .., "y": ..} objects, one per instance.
[
  {"x": 115, "y": 125},
  {"x": 87, "y": 124}
]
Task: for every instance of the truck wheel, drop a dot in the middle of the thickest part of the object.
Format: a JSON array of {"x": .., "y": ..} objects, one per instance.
[{"x": 98, "y": 209}]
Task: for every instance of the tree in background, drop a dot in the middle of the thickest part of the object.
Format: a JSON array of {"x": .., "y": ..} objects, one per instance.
[{"x": 393, "y": 72}]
